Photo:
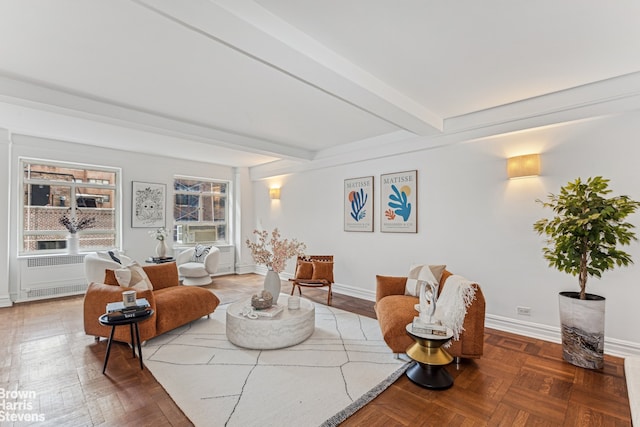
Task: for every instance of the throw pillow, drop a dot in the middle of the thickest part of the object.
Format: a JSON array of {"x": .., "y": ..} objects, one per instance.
[
  {"x": 437, "y": 271},
  {"x": 421, "y": 272},
  {"x": 322, "y": 270},
  {"x": 199, "y": 253},
  {"x": 115, "y": 256},
  {"x": 133, "y": 276},
  {"x": 112, "y": 255},
  {"x": 304, "y": 270}
]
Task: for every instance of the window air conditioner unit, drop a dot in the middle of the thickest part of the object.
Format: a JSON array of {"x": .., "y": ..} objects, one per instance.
[{"x": 210, "y": 235}]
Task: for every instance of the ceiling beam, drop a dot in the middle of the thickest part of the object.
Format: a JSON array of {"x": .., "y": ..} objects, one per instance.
[
  {"x": 618, "y": 95},
  {"x": 29, "y": 94},
  {"x": 246, "y": 27}
]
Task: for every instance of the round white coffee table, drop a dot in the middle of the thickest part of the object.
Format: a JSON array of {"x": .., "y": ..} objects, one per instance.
[{"x": 287, "y": 328}]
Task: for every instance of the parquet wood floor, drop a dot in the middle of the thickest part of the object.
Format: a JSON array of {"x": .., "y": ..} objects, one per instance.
[{"x": 519, "y": 382}]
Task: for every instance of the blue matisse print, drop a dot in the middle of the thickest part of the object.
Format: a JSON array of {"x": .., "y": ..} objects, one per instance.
[
  {"x": 399, "y": 203},
  {"x": 358, "y": 201}
]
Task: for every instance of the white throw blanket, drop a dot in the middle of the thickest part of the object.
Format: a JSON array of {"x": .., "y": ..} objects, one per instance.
[{"x": 452, "y": 304}]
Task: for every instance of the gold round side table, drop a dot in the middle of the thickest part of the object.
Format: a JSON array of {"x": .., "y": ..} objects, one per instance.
[{"x": 429, "y": 358}]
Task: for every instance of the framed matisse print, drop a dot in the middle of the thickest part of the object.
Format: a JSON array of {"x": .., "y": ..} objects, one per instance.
[
  {"x": 358, "y": 204},
  {"x": 399, "y": 202},
  {"x": 148, "y": 204}
]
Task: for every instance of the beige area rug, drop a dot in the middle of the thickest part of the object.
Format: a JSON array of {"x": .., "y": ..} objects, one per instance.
[{"x": 342, "y": 366}]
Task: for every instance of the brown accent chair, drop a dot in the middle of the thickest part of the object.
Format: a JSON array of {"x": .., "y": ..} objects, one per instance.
[
  {"x": 174, "y": 305},
  {"x": 314, "y": 271},
  {"x": 395, "y": 310}
]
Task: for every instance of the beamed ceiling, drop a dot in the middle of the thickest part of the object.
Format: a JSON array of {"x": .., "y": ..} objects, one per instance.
[{"x": 277, "y": 85}]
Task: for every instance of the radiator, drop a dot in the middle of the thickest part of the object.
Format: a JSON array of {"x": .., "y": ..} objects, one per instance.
[
  {"x": 227, "y": 260},
  {"x": 51, "y": 276}
]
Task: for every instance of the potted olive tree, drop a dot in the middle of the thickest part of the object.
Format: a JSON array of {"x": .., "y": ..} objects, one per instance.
[{"x": 583, "y": 238}]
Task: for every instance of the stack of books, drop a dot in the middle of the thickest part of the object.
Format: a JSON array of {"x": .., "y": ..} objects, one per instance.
[
  {"x": 272, "y": 311},
  {"x": 117, "y": 310},
  {"x": 419, "y": 327},
  {"x": 160, "y": 260}
]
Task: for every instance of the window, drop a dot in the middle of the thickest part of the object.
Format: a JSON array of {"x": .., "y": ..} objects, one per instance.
[
  {"x": 54, "y": 189},
  {"x": 200, "y": 210}
]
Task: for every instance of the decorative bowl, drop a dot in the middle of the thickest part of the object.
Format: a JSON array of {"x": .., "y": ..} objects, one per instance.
[{"x": 262, "y": 300}]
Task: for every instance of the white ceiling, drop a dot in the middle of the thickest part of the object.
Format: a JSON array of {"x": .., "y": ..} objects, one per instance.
[{"x": 247, "y": 83}]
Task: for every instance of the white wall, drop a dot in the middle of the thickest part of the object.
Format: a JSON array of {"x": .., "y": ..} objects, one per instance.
[
  {"x": 135, "y": 167},
  {"x": 243, "y": 209},
  {"x": 475, "y": 220},
  {"x": 5, "y": 148}
]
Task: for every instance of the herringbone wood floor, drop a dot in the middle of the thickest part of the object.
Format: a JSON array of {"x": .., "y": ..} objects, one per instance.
[{"x": 519, "y": 381}]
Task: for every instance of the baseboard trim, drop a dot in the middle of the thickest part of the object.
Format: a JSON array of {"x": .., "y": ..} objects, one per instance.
[
  {"x": 353, "y": 292},
  {"x": 245, "y": 269},
  {"x": 520, "y": 327},
  {"x": 612, "y": 346},
  {"x": 337, "y": 288},
  {"x": 6, "y": 302}
]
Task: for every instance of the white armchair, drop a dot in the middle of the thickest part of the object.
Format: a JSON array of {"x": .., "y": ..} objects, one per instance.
[
  {"x": 195, "y": 267},
  {"x": 96, "y": 263}
]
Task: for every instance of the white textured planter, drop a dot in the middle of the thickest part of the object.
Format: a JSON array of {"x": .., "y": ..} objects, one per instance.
[
  {"x": 272, "y": 284},
  {"x": 582, "y": 323}
]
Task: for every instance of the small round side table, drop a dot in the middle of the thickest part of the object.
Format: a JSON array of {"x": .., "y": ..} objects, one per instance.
[
  {"x": 133, "y": 325},
  {"x": 429, "y": 358}
]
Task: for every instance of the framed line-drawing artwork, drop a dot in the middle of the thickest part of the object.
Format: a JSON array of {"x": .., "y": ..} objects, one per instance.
[
  {"x": 399, "y": 202},
  {"x": 148, "y": 204},
  {"x": 358, "y": 204}
]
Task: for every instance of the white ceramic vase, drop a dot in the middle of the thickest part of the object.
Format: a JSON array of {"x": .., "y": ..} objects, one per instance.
[
  {"x": 161, "y": 249},
  {"x": 73, "y": 243},
  {"x": 272, "y": 284}
]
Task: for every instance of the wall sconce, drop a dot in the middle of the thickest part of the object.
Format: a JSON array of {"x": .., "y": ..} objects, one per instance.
[
  {"x": 523, "y": 166},
  {"x": 274, "y": 193}
]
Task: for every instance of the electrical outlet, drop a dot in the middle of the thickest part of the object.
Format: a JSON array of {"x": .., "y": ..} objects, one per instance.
[{"x": 523, "y": 311}]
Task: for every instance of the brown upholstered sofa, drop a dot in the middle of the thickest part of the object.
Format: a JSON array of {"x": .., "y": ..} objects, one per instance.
[
  {"x": 174, "y": 305},
  {"x": 395, "y": 310}
]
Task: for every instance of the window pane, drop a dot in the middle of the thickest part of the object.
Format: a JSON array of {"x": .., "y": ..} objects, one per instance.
[
  {"x": 44, "y": 205},
  {"x": 222, "y": 232},
  {"x": 46, "y": 195},
  {"x": 50, "y": 173},
  {"x": 41, "y": 242},
  {"x": 67, "y": 174},
  {"x": 207, "y": 208},
  {"x": 96, "y": 203},
  {"x": 192, "y": 185},
  {"x": 94, "y": 197},
  {"x": 186, "y": 207},
  {"x": 47, "y": 217},
  {"x": 60, "y": 196},
  {"x": 53, "y": 191},
  {"x": 93, "y": 241},
  {"x": 220, "y": 208},
  {"x": 43, "y": 218},
  {"x": 200, "y": 211},
  {"x": 37, "y": 195},
  {"x": 219, "y": 187}
]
